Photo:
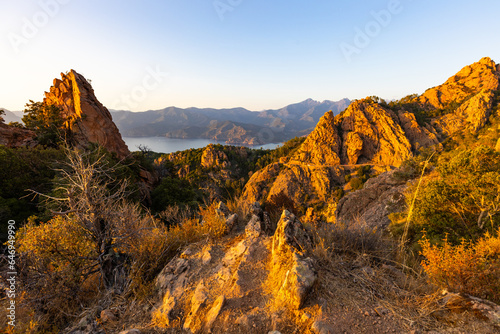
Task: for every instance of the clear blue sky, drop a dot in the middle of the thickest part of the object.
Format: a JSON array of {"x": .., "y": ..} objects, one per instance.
[{"x": 257, "y": 54}]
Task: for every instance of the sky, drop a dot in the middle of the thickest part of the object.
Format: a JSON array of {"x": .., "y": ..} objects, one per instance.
[{"x": 256, "y": 54}]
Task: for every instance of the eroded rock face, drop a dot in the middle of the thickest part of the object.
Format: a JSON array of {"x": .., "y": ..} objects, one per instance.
[
  {"x": 88, "y": 119},
  {"x": 470, "y": 80},
  {"x": 289, "y": 266},
  {"x": 323, "y": 145},
  {"x": 372, "y": 205},
  {"x": 15, "y": 137},
  {"x": 471, "y": 116},
  {"x": 419, "y": 136},
  {"x": 212, "y": 158},
  {"x": 258, "y": 185},
  {"x": 364, "y": 133},
  {"x": 373, "y": 133},
  {"x": 471, "y": 92}
]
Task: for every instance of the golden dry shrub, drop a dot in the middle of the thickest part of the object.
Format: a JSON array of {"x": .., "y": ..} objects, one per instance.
[
  {"x": 213, "y": 224},
  {"x": 471, "y": 267},
  {"x": 57, "y": 270}
]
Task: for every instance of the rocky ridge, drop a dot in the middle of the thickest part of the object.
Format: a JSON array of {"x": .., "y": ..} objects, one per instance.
[{"x": 380, "y": 135}]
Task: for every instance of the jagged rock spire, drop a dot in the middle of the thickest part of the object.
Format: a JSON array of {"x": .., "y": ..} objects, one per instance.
[{"x": 88, "y": 119}]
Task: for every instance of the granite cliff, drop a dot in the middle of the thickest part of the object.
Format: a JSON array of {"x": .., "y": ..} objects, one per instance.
[{"x": 88, "y": 120}]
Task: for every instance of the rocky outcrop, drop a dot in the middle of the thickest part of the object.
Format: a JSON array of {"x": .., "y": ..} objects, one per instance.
[
  {"x": 206, "y": 281},
  {"x": 11, "y": 136},
  {"x": 208, "y": 287},
  {"x": 292, "y": 274},
  {"x": 364, "y": 133},
  {"x": 419, "y": 136},
  {"x": 471, "y": 116},
  {"x": 379, "y": 134},
  {"x": 258, "y": 185},
  {"x": 323, "y": 146},
  {"x": 372, "y": 134},
  {"x": 88, "y": 120},
  {"x": 297, "y": 181},
  {"x": 372, "y": 205},
  {"x": 212, "y": 158},
  {"x": 466, "y": 97},
  {"x": 470, "y": 80}
]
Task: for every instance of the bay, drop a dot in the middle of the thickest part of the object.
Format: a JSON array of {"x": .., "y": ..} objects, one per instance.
[{"x": 169, "y": 145}]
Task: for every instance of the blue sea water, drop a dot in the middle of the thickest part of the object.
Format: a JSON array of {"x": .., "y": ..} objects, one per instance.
[{"x": 169, "y": 145}]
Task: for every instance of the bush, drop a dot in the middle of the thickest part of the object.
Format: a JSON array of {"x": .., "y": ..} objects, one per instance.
[
  {"x": 56, "y": 269},
  {"x": 462, "y": 198},
  {"x": 174, "y": 191},
  {"x": 50, "y": 126},
  {"x": 471, "y": 268},
  {"x": 356, "y": 183}
]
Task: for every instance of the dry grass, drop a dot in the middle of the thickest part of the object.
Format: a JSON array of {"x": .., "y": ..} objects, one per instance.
[
  {"x": 358, "y": 269},
  {"x": 356, "y": 238},
  {"x": 240, "y": 206}
]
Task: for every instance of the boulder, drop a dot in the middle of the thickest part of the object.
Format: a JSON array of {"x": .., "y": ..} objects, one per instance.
[
  {"x": 372, "y": 205},
  {"x": 291, "y": 271}
]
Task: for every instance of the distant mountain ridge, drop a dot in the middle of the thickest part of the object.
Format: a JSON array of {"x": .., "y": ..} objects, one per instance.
[
  {"x": 10, "y": 116},
  {"x": 234, "y": 126}
]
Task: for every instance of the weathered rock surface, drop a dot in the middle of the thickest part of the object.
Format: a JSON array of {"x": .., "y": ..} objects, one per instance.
[
  {"x": 289, "y": 266},
  {"x": 87, "y": 118},
  {"x": 11, "y": 136},
  {"x": 323, "y": 146},
  {"x": 470, "y": 80},
  {"x": 374, "y": 134},
  {"x": 212, "y": 158},
  {"x": 471, "y": 116},
  {"x": 418, "y": 136},
  {"x": 372, "y": 205},
  {"x": 258, "y": 185},
  {"x": 364, "y": 133},
  {"x": 207, "y": 278},
  {"x": 483, "y": 309}
]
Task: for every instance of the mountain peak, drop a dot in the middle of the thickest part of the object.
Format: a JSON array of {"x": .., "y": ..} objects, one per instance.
[
  {"x": 480, "y": 76},
  {"x": 87, "y": 118}
]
